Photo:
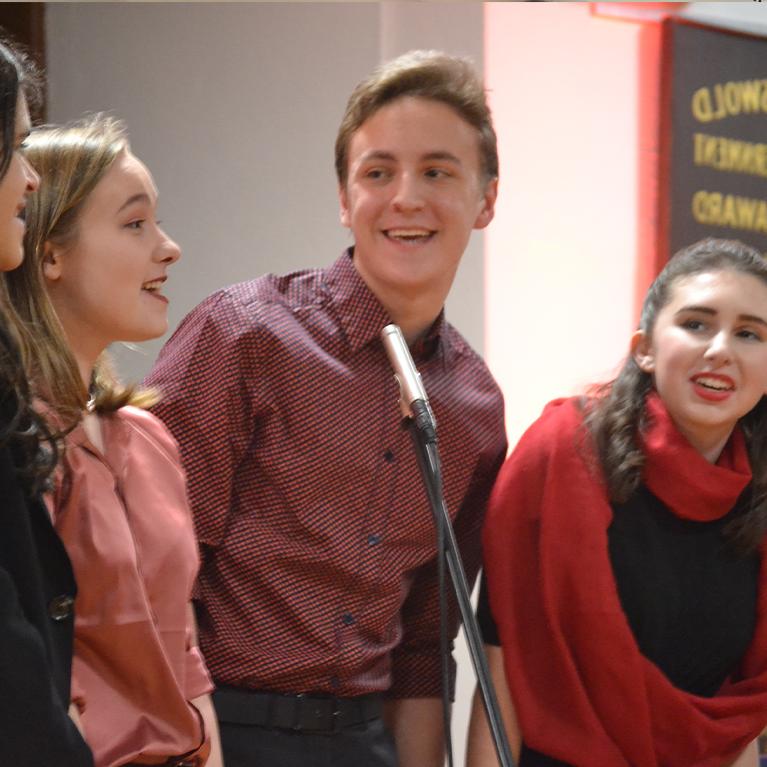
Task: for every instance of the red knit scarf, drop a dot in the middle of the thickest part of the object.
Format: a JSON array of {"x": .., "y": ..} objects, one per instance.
[{"x": 583, "y": 692}]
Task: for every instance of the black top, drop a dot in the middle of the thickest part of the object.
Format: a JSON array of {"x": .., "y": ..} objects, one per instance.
[
  {"x": 36, "y": 627},
  {"x": 689, "y": 598}
]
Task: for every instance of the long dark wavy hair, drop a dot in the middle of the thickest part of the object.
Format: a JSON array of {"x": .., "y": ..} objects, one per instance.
[
  {"x": 616, "y": 415},
  {"x": 22, "y": 430}
]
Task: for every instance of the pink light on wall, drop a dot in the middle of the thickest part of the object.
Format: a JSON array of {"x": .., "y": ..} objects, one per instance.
[{"x": 561, "y": 255}]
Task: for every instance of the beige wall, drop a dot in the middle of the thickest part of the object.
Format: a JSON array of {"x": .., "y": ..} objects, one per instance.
[{"x": 234, "y": 108}]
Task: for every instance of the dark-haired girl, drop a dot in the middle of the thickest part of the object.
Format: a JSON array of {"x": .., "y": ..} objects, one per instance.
[
  {"x": 36, "y": 584},
  {"x": 624, "y": 546}
]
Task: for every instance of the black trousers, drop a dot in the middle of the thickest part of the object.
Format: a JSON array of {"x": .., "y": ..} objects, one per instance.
[
  {"x": 530, "y": 758},
  {"x": 365, "y": 745}
]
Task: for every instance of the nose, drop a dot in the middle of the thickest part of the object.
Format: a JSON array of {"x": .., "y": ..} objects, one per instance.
[
  {"x": 408, "y": 196},
  {"x": 718, "y": 350},
  {"x": 31, "y": 176},
  {"x": 168, "y": 251}
]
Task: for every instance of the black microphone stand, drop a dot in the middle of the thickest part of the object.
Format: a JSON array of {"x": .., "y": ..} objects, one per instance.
[{"x": 424, "y": 436}]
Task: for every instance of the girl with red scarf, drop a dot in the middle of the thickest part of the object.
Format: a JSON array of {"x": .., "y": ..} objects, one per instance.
[{"x": 624, "y": 543}]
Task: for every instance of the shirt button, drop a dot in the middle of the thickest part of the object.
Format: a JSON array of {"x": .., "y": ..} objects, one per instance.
[
  {"x": 388, "y": 456},
  {"x": 347, "y": 619},
  {"x": 373, "y": 539},
  {"x": 60, "y": 607}
]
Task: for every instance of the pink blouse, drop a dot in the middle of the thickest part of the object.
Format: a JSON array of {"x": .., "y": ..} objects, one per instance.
[{"x": 124, "y": 518}]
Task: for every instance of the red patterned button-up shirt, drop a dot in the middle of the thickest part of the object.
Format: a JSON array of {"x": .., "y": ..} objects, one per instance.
[{"x": 318, "y": 544}]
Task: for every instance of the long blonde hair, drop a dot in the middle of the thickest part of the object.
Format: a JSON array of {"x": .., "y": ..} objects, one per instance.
[{"x": 71, "y": 160}]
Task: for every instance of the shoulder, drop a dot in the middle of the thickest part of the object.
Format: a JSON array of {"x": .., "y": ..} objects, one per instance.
[
  {"x": 546, "y": 462},
  {"x": 243, "y": 312},
  {"x": 563, "y": 412},
  {"x": 463, "y": 388},
  {"x": 558, "y": 424},
  {"x": 148, "y": 431},
  {"x": 555, "y": 432},
  {"x": 469, "y": 362},
  {"x": 288, "y": 290},
  {"x": 460, "y": 346},
  {"x": 467, "y": 401}
]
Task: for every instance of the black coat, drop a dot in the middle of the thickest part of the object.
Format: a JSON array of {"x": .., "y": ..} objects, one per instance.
[{"x": 37, "y": 591}]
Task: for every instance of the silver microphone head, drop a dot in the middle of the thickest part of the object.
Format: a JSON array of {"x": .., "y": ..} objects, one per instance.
[{"x": 408, "y": 378}]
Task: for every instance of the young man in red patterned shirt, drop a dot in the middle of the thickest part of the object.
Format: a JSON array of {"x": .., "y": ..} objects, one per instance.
[{"x": 317, "y": 597}]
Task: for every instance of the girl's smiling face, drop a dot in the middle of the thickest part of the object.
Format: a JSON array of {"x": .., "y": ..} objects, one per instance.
[
  {"x": 106, "y": 285},
  {"x": 19, "y": 181},
  {"x": 707, "y": 354}
]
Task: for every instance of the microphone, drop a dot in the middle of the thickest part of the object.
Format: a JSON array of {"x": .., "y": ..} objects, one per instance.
[{"x": 413, "y": 401}]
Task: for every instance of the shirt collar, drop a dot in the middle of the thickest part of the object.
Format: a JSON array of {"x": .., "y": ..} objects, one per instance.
[
  {"x": 363, "y": 316},
  {"x": 434, "y": 339}
]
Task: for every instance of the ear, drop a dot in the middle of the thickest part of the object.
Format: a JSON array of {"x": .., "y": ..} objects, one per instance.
[
  {"x": 52, "y": 258},
  {"x": 641, "y": 351},
  {"x": 487, "y": 211},
  {"x": 343, "y": 199}
]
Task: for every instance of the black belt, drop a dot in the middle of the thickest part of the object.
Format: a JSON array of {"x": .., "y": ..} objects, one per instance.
[
  {"x": 174, "y": 761},
  {"x": 301, "y": 713},
  {"x": 196, "y": 758}
]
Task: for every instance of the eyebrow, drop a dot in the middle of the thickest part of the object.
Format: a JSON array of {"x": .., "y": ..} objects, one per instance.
[
  {"x": 442, "y": 156},
  {"x": 712, "y": 312},
  {"x": 134, "y": 198},
  {"x": 381, "y": 154}
]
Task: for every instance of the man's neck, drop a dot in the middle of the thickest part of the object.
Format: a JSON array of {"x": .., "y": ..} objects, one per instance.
[
  {"x": 414, "y": 310},
  {"x": 414, "y": 315}
]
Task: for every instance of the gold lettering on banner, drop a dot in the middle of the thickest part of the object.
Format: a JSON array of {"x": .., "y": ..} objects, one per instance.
[
  {"x": 729, "y": 99},
  {"x": 729, "y": 210},
  {"x": 729, "y": 154}
]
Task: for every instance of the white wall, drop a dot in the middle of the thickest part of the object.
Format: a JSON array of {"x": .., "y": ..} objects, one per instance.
[
  {"x": 234, "y": 108},
  {"x": 746, "y": 16}
]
